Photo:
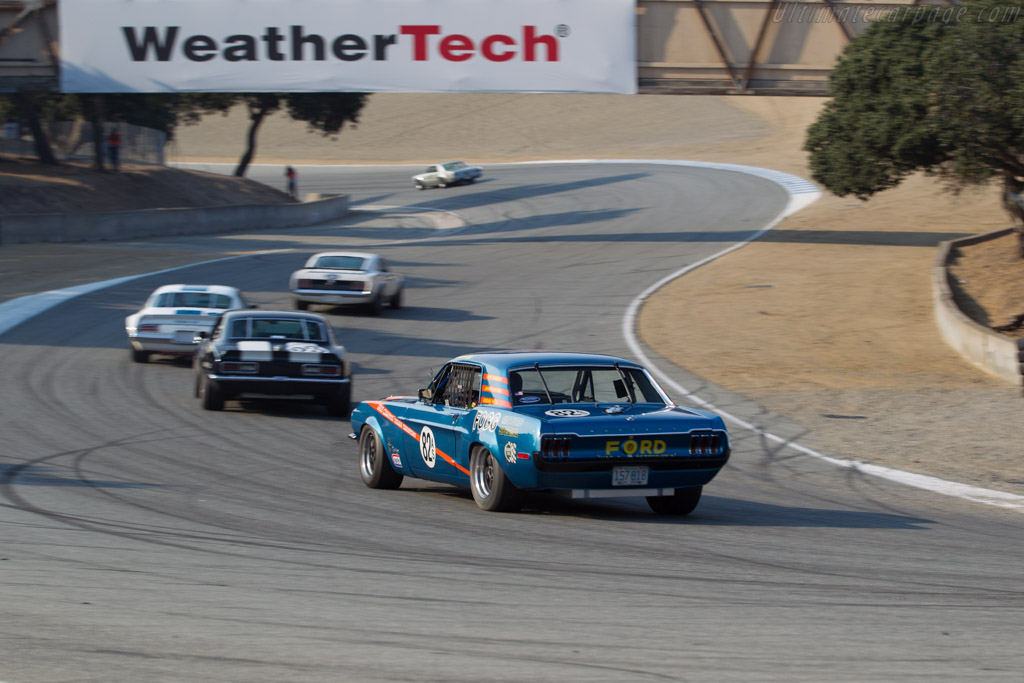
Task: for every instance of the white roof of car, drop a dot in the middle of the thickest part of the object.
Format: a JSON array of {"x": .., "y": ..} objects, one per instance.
[
  {"x": 211, "y": 289},
  {"x": 359, "y": 254},
  {"x": 311, "y": 261}
]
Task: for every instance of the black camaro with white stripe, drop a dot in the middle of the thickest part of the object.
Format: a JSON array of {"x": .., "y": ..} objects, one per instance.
[{"x": 272, "y": 354}]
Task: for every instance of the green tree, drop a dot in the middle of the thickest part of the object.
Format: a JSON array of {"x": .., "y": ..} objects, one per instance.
[
  {"x": 941, "y": 93},
  {"x": 325, "y": 113}
]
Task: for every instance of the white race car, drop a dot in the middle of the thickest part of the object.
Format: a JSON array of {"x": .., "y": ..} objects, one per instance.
[
  {"x": 174, "y": 315},
  {"x": 448, "y": 173},
  {"x": 338, "y": 278}
]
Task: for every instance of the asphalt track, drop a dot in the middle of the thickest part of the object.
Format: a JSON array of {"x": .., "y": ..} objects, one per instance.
[{"x": 146, "y": 539}]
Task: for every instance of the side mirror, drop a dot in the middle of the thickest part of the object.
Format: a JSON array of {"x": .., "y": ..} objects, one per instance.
[{"x": 426, "y": 395}]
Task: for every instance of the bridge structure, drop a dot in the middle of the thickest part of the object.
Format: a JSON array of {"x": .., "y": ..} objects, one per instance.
[{"x": 684, "y": 47}]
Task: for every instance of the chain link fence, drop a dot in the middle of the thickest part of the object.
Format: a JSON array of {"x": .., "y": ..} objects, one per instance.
[{"x": 73, "y": 140}]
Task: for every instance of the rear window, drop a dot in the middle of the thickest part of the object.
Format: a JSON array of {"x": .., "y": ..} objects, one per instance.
[
  {"x": 340, "y": 262},
  {"x": 454, "y": 165},
  {"x": 275, "y": 328},
  {"x": 191, "y": 300},
  {"x": 581, "y": 384}
]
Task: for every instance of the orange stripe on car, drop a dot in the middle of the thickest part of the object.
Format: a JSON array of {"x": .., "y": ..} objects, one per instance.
[
  {"x": 496, "y": 378},
  {"x": 390, "y": 417},
  {"x": 501, "y": 391},
  {"x": 501, "y": 403}
]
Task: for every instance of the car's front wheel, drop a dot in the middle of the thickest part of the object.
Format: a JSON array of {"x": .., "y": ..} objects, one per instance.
[
  {"x": 682, "y": 503},
  {"x": 374, "y": 468},
  {"x": 396, "y": 300},
  {"x": 491, "y": 489},
  {"x": 419, "y": 185},
  {"x": 301, "y": 305}
]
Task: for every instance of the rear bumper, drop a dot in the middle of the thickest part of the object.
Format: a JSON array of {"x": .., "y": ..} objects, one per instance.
[
  {"x": 162, "y": 344},
  {"x": 593, "y": 478},
  {"x": 623, "y": 492},
  {"x": 599, "y": 484},
  {"x": 236, "y": 385},
  {"x": 320, "y": 296}
]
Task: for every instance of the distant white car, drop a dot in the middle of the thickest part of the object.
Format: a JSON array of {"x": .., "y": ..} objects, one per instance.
[
  {"x": 448, "y": 173},
  {"x": 340, "y": 278},
  {"x": 174, "y": 315}
]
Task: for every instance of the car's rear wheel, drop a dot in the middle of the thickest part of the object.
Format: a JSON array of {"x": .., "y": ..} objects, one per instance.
[
  {"x": 140, "y": 356},
  {"x": 210, "y": 397},
  {"x": 491, "y": 489},
  {"x": 374, "y": 467},
  {"x": 340, "y": 404},
  {"x": 301, "y": 305},
  {"x": 375, "y": 306},
  {"x": 442, "y": 183},
  {"x": 682, "y": 503},
  {"x": 396, "y": 300}
]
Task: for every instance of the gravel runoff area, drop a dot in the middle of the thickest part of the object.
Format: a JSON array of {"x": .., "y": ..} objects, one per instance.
[{"x": 825, "y": 321}]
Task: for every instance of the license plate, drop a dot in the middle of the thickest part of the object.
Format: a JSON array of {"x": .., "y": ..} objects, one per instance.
[
  {"x": 629, "y": 475},
  {"x": 184, "y": 336}
]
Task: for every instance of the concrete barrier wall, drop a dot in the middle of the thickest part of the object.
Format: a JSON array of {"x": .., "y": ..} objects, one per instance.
[
  {"x": 992, "y": 352},
  {"x": 126, "y": 225}
]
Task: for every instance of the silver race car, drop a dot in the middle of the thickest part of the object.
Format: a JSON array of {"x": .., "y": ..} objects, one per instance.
[
  {"x": 339, "y": 278},
  {"x": 174, "y": 315},
  {"x": 448, "y": 173}
]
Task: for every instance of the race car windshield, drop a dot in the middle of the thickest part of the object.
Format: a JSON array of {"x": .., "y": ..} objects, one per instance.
[
  {"x": 581, "y": 384},
  {"x": 340, "y": 262},
  {"x": 453, "y": 165}
]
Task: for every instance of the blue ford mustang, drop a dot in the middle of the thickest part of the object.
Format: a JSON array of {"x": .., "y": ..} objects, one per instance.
[{"x": 586, "y": 425}]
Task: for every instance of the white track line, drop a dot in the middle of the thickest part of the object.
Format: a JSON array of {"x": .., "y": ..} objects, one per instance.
[
  {"x": 800, "y": 196},
  {"x": 17, "y": 311}
]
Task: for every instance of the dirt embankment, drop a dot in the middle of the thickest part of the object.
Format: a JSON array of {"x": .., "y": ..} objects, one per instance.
[{"x": 27, "y": 186}]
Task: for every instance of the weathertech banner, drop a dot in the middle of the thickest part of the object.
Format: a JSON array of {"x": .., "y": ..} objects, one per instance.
[{"x": 121, "y": 46}]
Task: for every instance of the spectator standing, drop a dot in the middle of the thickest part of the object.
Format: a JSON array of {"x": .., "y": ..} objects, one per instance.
[
  {"x": 293, "y": 190},
  {"x": 114, "y": 149}
]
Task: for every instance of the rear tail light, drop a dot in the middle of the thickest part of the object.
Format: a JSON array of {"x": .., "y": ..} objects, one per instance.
[
  {"x": 357, "y": 285},
  {"x": 321, "y": 370},
  {"x": 305, "y": 284},
  {"x": 241, "y": 368},
  {"x": 705, "y": 444},
  {"x": 149, "y": 327},
  {"x": 554, "y": 447}
]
